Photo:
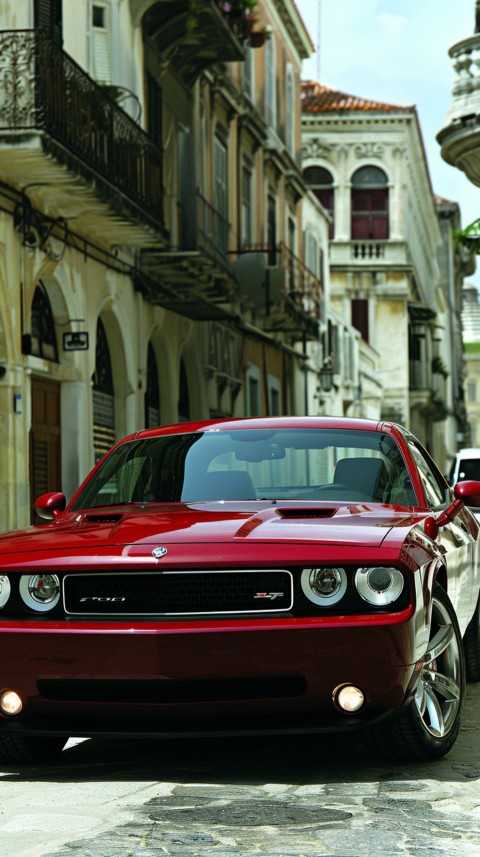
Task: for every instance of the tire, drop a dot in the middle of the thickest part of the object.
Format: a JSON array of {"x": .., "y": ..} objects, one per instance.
[
  {"x": 429, "y": 725},
  {"x": 19, "y": 749},
  {"x": 471, "y": 645}
]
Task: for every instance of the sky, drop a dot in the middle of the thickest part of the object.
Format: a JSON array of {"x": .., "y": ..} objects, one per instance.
[{"x": 396, "y": 51}]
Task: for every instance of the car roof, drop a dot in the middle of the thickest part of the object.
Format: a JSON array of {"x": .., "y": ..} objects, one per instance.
[{"x": 268, "y": 423}]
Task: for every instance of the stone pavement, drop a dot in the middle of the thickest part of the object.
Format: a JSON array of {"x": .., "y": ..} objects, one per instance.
[{"x": 279, "y": 797}]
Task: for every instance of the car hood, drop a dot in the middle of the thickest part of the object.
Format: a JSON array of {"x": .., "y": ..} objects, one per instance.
[{"x": 209, "y": 523}]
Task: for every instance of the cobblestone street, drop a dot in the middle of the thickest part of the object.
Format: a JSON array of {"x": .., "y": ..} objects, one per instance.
[{"x": 266, "y": 797}]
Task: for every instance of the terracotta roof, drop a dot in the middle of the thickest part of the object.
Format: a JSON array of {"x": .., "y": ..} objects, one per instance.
[
  {"x": 318, "y": 98},
  {"x": 441, "y": 202}
]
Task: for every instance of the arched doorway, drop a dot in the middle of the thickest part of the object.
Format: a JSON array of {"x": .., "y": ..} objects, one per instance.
[
  {"x": 45, "y": 431},
  {"x": 103, "y": 396}
]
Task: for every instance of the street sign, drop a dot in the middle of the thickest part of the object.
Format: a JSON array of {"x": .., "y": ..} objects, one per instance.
[{"x": 75, "y": 341}]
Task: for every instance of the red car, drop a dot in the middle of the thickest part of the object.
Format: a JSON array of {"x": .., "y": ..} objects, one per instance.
[{"x": 277, "y": 575}]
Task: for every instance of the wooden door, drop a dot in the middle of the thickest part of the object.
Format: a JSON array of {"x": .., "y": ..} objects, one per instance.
[{"x": 45, "y": 438}]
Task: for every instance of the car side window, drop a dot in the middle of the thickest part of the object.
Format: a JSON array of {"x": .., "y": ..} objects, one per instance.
[{"x": 432, "y": 480}]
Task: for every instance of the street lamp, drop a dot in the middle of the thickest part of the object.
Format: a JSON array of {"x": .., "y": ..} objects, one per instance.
[{"x": 326, "y": 375}]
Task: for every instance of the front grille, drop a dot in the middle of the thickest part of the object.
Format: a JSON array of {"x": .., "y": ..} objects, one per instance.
[
  {"x": 178, "y": 593},
  {"x": 173, "y": 690}
]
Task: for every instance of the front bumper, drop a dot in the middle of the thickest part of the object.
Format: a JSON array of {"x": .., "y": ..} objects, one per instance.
[{"x": 226, "y": 679}]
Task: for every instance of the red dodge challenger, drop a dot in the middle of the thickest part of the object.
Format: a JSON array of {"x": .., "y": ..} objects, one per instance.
[{"x": 252, "y": 576}]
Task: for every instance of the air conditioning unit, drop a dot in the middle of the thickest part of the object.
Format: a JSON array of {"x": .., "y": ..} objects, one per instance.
[{"x": 249, "y": 270}]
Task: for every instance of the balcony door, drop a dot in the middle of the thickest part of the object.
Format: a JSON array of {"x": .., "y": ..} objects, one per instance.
[{"x": 47, "y": 15}]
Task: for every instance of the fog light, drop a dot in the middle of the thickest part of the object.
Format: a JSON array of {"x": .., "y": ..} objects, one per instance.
[
  {"x": 349, "y": 698},
  {"x": 10, "y": 702}
]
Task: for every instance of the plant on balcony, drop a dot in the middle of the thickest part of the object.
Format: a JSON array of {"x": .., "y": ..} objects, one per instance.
[
  {"x": 469, "y": 237},
  {"x": 438, "y": 367},
  {"x": 233, "y": 9}
]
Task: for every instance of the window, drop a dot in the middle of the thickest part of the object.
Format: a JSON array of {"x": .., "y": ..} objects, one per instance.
[
  {"x": 184, "y": 398},
  {"x": 274, "y": 396},
  {"x": 220, "y": 221},
  {"x": 320, "y": 182},
  {"x": 369, "y": 204},
  {"x": 247, "y": 67},
  {"x": 101, "y": 43},
  {"x": 152, "y": 395},
  {"x": 44, "y": 340},
  {"x": 270, "y": 83},
  {"x": 360, "y": 317},
  {"x": 432, "y": 480},
  {"x": 472, "y": 391},
  {"x": 252, "y": 388},
  {"x": 272, "y": 228},
  {"x": 246, "y": 226},
  {"x": 290, "y": 109},
  {"x": 154, "y": 109}
]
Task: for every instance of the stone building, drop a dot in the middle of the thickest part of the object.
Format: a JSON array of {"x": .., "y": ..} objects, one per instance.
[
  {"x": 471, "y": 338},
  {"x": 389, "y": 277},
  {"x": 153, "y": 262}
]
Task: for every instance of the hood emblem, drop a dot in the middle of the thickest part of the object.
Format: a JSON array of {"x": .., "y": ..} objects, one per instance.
[{"x": 159, "y": 552}]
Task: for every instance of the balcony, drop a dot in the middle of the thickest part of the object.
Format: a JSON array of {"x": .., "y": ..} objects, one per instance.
[
  {"x": 82, "y": 157},
  {"x": 375, "y": 254},
  {"x": 288, "y": 294},
  {"x": 190, "y": 37},
  {"x": 460, "y": 137},
  {"x": 198, "y": 270}
]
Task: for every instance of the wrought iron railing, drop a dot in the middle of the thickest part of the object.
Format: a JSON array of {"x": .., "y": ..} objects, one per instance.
[
  {"x": 43, "y": 89},
  {"x": 213, "y": 229},
  {"x": 303, "y": 287}
]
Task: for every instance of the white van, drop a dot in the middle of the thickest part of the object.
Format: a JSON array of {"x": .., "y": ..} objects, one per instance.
[{"x": 465, "y": 465}]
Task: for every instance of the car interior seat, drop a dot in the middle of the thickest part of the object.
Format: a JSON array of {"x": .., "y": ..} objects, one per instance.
[{"x": 367, "y": 475}]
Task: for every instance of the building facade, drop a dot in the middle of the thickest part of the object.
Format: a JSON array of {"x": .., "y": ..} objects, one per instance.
[
  {"x": 154, "y": 266},
  {"x": 391, "y": 275}
]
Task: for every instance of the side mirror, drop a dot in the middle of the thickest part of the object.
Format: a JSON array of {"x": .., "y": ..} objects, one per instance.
[
  {"x": 468, "y": 491},
  {"x": 48, "y": 504}
]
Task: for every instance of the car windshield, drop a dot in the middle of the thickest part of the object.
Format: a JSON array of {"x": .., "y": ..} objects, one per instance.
[{"x": 301, "y": 464}]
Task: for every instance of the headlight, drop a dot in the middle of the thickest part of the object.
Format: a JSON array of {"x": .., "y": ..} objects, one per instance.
[
  {"x": 379, "y": 585},
  {"x": 40, "y": 592},
  {"x": 5, "y": 590},
  {"x": 324, "y": 586}
]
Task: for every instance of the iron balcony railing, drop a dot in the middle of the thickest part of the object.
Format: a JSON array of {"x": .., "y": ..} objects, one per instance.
[
  {"x": 302, "y": 286},
  {"x": 43, "y": 89}
]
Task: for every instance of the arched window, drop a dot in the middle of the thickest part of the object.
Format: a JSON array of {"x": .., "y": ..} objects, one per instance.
[
  {"x": 103, "y": 396},
  {"x": 183, "y": 399},
  {"x": 152, "y": 394},
  {"x": 370, "y": 204},
  {"x": 44, "y": 340},
  {"x": 320, "y": 182}
]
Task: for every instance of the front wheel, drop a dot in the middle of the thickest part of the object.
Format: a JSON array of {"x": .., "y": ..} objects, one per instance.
[
  {"x": 23, "y": 750},
  {"x": 429, "y": 726}
]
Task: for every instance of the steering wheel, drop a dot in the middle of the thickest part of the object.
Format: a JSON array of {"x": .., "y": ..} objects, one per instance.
[{"x": 339, "y": 491}]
